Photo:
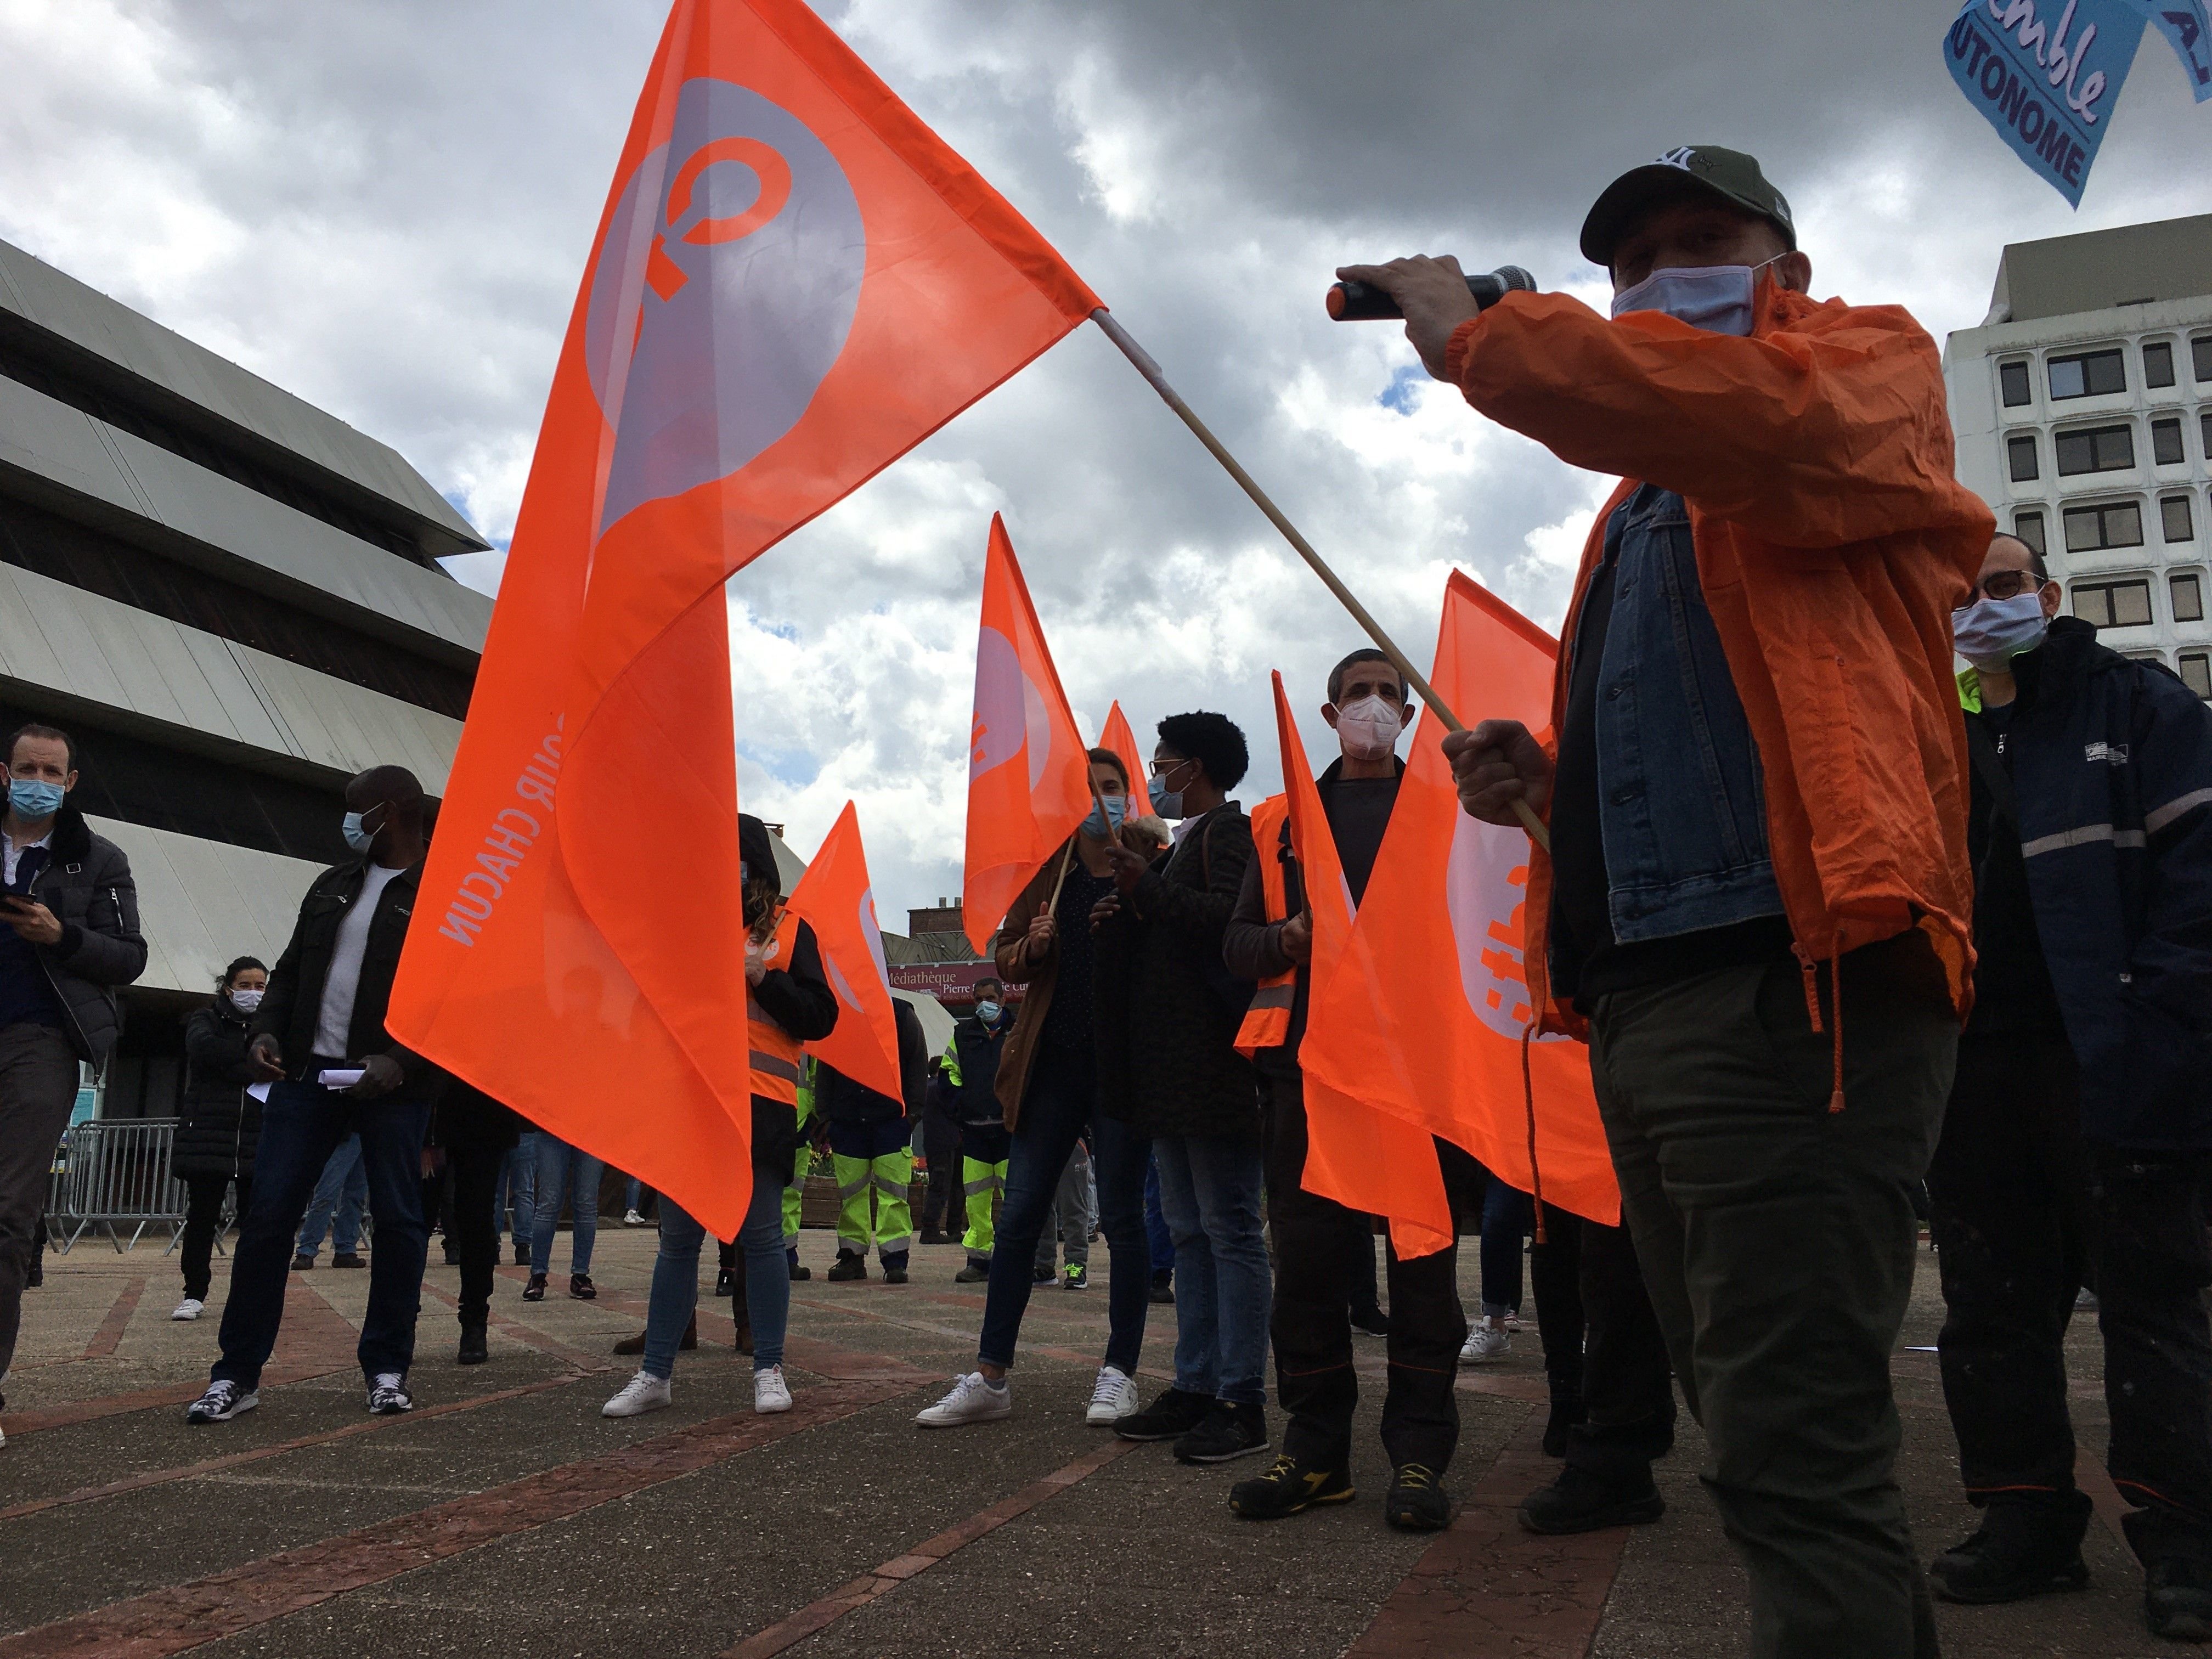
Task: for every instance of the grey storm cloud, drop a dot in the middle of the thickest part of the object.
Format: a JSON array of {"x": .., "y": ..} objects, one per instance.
[{"x": 386, "y": 207}]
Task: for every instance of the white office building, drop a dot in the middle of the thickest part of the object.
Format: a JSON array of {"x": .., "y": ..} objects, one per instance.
[
  {"x": 232, "y": 601},
  {"x": 2082, "y": 407}
]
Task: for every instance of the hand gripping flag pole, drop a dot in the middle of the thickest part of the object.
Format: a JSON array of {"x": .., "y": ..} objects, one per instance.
[{"x": 1144, "y": 365}]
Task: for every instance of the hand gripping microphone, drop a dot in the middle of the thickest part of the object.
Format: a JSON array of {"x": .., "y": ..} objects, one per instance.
[{"x": 1361, "y": 302}]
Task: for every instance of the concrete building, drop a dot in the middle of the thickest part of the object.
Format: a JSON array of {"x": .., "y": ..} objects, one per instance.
[
  {"x": 2084, "y": 411},
  {"x": 234, "y": 602}
]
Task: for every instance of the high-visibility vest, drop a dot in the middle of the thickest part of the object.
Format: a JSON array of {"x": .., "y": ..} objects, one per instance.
[
  {"x": 1268, "y": 1021},
  {"x": 776, "y": 1054}
]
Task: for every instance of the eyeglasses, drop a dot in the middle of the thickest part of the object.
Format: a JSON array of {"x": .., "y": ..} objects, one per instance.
[
  {"x": 2009, "y": 584},
  {"x": 1164, "y": 768}
]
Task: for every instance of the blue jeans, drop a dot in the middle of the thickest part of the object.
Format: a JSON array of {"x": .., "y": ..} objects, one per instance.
[
  {"x": 336, "y": 1207},
  {"x": 634, "y": 1194},
  {"x": 1057, "y": 1107},
  {"x": 557, "y": 1161},
  {"x": 302, "y": 1125},
  {"x": 1210, "y": 1193},
  {"x": 676, "y": 1278},
  {"x": 1155, "y": 1224},
  {"x": 1508, "y": 1214},
  {"x": 516, "y": 1196}
]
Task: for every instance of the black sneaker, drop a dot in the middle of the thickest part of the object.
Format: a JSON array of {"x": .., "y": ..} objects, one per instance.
[
  {"x": 302, "y": 1263},
  {"x": 1579, "y": 1501},
  {"x": 582, "y": 1288},
  {"x": 1417, "y": 1501},
  {"x": 1371, "y": 1323},
  {"x": 1289, "y": 1487},
  {"x": 2178, "y": 1598},
  {"x": 1174, "y": 1414},
  {"x": 723, "y": 1282},
  {"x": 1162, "y": 1292},
  {"x": 222, "y": 1401},
  {"x": 848, "y": 1267},
  {"x": 799, "y": 1275},
  {"x": 535, "y": 1289},
  {"x": 475, "y": 1350},
  {"x": 522, "y": 1255},
  {"x": 895, "y": 1268},
  {"x": 1229, "y": 1430},
  {"x": 345, "y": 1259},
  {"x": 976, "y": 1272},
  {"x": 2020, "y": 1550}
]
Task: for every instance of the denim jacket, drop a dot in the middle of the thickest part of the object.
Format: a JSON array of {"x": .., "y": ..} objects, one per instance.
[{"x": 1682, "y": 800}]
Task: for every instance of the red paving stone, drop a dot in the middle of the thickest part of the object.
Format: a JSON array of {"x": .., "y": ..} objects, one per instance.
[
  {"x": 119, "y": 1318},
  {"x": 1487, "y": 1589},
  {"x": 183, "y": 1616},
  {"x": 818, "y": 1615}
]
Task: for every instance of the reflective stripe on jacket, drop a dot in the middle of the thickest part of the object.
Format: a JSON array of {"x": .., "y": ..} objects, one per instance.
[
  {"x": 776, "y": 1055},
  {"x": 1268, "y": 1021}
]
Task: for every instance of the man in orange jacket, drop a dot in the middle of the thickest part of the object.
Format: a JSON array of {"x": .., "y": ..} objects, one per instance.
[{"x": 1758, "y": 898}]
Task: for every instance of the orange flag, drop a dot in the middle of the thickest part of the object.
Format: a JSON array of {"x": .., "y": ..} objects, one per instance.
[
  {"x": 1029, "y": 783},
  {"x": 1364, "y": 1159},
  {"x": 1123, "y": 742},
  {"x": 793, "y": 281},
  {"x": 1425, "y": 1015},
  {"x": 836, "y": 896}
]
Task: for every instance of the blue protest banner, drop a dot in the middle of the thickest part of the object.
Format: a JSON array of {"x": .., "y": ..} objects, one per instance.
[
  {"x": 2047, "y": 85},
  {"x": 2186, "y": 28}
]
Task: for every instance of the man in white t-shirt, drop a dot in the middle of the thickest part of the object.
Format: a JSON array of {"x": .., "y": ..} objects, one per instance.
[{"x": 332, "y": 1070}]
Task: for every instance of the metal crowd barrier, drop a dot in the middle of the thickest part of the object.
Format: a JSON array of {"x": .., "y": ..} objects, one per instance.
[{"x": 112, "y": 1173}]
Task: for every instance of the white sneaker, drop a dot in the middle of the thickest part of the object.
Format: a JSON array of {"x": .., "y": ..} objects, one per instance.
[
  {"x": 1112, "y": 1398},
  {"x": 771, "y": 1394},
  {"x": 632, "y": 1219},
  {"x": 643, "y": 1393},
  {"x": 190, "y": 1308},
  {"x": 221, "y": 1402},
  {"x": 972, "y": 1400},
  {"x": 1487, "y": 1344},
  {"x": 388, "y": 1396}
]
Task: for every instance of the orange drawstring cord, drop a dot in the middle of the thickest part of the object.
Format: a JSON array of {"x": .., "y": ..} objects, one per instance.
[
  {"x": 1528, "y": 1100},
  {"x": 1813, "y": 1013}
]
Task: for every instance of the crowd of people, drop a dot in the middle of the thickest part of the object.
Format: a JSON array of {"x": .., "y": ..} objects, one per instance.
[{"x": 1773, "y": 808}]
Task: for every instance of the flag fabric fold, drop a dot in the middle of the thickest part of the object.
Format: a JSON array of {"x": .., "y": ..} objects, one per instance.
[
  {"x": 1424, "y": 1015},
  {"x": 1122, "y": 741},
  {"x": 836, "y": 898},
  {"x": 793, "y": 281},
  {"x": 1029, "y": 777},
  {"x": 1366, "y": 1159}
]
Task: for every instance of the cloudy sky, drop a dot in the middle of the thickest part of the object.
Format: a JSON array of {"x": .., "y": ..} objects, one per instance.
[{"x": 384, "y": 206}]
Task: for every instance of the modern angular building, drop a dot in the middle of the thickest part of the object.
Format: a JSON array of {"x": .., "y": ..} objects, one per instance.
[
  {"x": 234, "y": 602},
  {"x": 2084, "y": 411}
]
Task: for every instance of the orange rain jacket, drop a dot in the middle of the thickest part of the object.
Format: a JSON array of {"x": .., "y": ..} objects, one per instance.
[{"x": 1832, "y": 543}]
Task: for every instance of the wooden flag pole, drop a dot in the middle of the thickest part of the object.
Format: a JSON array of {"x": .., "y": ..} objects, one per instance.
[{"x": 1145, "y": 366}]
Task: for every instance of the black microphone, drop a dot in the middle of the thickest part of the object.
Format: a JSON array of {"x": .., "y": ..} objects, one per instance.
[{"x": 1362, "y": 302}]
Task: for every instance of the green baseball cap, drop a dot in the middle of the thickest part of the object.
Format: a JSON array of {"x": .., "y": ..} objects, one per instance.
[{"x": 1729, "y": 175}]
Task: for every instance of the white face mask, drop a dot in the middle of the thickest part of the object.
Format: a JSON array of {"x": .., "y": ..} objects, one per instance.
[
  {"x": 1367, "y": 728},
  {"x": 1990, "y": 633},
  {"x": 246, "y": 1001},
  {"x": 1716, "y": 297}
]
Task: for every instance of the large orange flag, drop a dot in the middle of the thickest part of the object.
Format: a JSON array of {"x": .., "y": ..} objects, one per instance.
[
  {"x": 793, "y": 281},
  {"x": 1029, "y": 782},
  {"x": 1364, "y": 1159},
  {"x": 1425, "y": 1015},
  {"x": 836, "y": 898},
  {"x": 1122, "y": 741}
]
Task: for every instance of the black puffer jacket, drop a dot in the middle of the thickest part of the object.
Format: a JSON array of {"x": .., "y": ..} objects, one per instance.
[
  {"x": 221, "y": 1123},
  {"x": 1164, "y": 1011},
  {"x": 87, "y": 886}
]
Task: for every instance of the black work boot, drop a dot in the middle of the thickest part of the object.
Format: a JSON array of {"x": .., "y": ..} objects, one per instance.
[
  {"x": 1290, "y": 1486},
  {"x": 1417, "y": 1500},
  {"x": 2020, "y": 1550},
  {"x": 849, "y": 1265},
  {"x": 1582, "y": 1500},
  {"x": 475, "y": 1351}
]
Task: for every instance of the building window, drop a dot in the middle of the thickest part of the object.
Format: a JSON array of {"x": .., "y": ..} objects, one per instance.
[
  {"x": 2158, "y": 363},
  {"x": 2095, "y": 449},
  {"x": 2200, "y": 358},
  {"x": 2188, "y": 595},
  {"x": 2166, "y": 442},
  {"x": 2012, "y": 381},
  {"x": 2204, "y": 432},
  {"x": 2020, "y": 452},
  {"x": 2093, "y": 373},
  {"x": 2089, "y": 528},
  {"x": 2028, "y": 526},
  {"x": 2113, "y": 604},
  {"x": 2196, "y": 673},
  {"x": 2173, "y": 515}
]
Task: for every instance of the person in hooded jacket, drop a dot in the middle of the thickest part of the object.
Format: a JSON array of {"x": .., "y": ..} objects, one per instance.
[
  {"x": 1756, "y": 899},
  {"x": 221, "y": 1123},
  {"x": 2080, "y": 1127},
  {"x": 788, "y": 1003}
]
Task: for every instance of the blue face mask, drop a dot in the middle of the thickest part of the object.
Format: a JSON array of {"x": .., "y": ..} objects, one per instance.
[
  {"x": 1716, "y": 297},
  {"x": 33, "y": 799},
  {"x": 356, "y": 837},
  {"x": 987, "y": 1011},
  {"x": 1100, "y": 826},
  {"x": 1990, "y": 633}
]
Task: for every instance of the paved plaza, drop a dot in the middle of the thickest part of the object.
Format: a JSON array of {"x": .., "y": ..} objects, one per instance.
[{"x": 506, "y": 1517}]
